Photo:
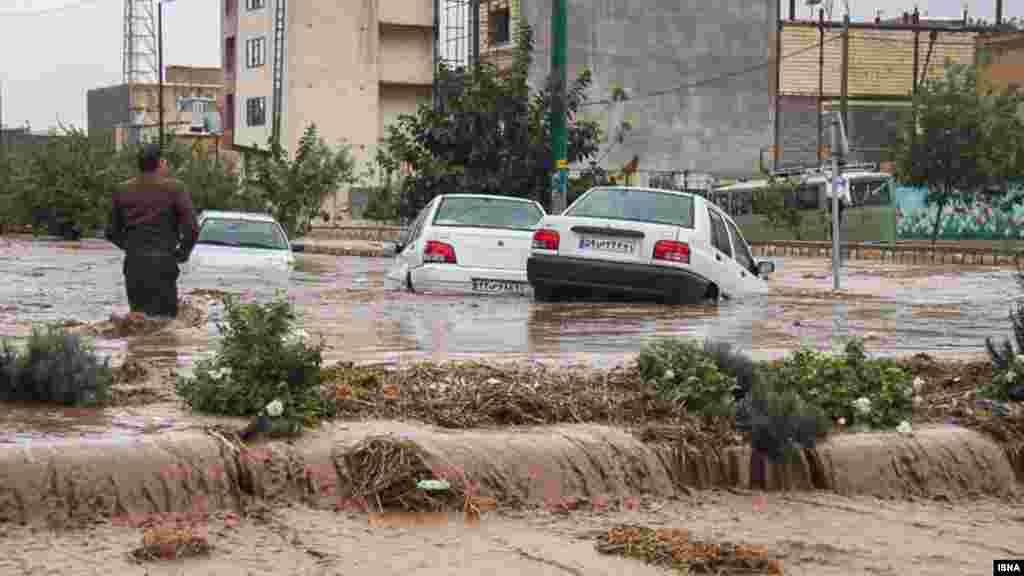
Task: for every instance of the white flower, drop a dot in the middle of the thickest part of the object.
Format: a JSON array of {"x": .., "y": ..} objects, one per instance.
[
  {"x": 842, "y": 421},
  {"x": 918, "y": 384},
  {"x": 1011, "y": 376},
  {"x": 863, "y": 405},
  {"x": 904, "y": 428},
  {"x": 669, "y": 374},
  {"x": 275, "y": 409}
]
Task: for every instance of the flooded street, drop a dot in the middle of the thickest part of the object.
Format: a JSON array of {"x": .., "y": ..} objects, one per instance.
[{"x": 897, "y": 308}]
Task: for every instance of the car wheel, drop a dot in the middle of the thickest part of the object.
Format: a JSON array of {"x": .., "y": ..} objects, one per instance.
[{"x": 543, "y": 293}]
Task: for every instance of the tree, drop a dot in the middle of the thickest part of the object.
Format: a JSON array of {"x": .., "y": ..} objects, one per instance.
[
  {"x": 294, "y": 190},
  {"x": 489, "y": 136},
  {"x": 959, "y": 142},
  {"x": 777, "y": 204}
]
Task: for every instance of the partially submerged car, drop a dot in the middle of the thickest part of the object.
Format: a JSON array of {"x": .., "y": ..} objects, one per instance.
[
  {"x": 240, "y": 240},
  {"x": 468, "y": 243},
  {"x": 646, "y": 242}
]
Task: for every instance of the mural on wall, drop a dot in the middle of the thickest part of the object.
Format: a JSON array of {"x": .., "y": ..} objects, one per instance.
[{"x": 979, "y": 221}]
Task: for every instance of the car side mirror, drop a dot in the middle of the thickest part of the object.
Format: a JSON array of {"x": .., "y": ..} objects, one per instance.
[{"x": 765, "y": 268}]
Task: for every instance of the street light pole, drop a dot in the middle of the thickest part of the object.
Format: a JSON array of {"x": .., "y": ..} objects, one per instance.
[{"x": 559, "y": 121}]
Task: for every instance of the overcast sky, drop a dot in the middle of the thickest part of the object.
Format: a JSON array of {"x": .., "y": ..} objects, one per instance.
[{"x": 50, "y": 57}]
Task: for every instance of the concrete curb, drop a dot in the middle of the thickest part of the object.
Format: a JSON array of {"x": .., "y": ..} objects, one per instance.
[{"x": 199, "y": 472}]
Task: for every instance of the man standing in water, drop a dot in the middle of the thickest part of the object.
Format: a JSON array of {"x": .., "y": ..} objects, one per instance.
[{"x": 152, "y": 221}]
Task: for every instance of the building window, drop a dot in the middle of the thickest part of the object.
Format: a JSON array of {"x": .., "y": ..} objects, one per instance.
[
  {"x": 229, "y": 54},
  {"x": 229, "y": 6},
  {"x": 256, "y": 111},
  {"x": 499, "y": 24},
  {"x": 229, "y": 112},
  {"x": 255, "y": 4},
  {"x": 256, "y": 52}
]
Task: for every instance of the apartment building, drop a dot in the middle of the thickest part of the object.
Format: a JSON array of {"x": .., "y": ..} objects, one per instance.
[
  {"x": 1001, "y": 61},
  {"x": 131, "y": 112},
  {"x": 349, "y": 67}
]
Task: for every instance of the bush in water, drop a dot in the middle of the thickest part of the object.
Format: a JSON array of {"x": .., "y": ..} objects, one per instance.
[
  {"x": 1008, "y": 383},
  {"x": 259, "y": 360},
  {"x": 683, "y": 372},
  {"x": 54, "y": 367},
  {"x": 781, "y": 420}
]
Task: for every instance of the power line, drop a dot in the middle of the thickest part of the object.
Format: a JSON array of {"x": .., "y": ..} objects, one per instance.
[
  {"x": 49, "y": 11},
  {"x": 706, "y": 81}
]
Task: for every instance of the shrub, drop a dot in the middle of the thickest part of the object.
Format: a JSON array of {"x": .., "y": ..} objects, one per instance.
[
  {"x": 838, "y": 383},
  {"x": 683, "y": 372},
  {"x": 1008, "y": 382},
  {"x": 54, "y": 367},
  {"x": 781, "y": 420},
  {"x": 258, "y": 361}
]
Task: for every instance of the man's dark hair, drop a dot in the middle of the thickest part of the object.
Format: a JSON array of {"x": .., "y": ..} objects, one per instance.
[{"x": 149, "y": 158}]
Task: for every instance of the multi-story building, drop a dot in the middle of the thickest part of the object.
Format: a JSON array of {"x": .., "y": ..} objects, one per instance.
[
  {"x": 1001, "y": 61},
  {"x": 880, "y": 81},
  {"x": 131, "y": 112},
  {"x": 348, "y": 67}
]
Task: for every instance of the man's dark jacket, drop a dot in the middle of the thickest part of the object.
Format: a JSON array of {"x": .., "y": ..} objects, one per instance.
[{"x": 152, "y": 214}]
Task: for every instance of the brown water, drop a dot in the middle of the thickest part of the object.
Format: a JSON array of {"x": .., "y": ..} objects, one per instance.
[{"x": 945, "y": 310}]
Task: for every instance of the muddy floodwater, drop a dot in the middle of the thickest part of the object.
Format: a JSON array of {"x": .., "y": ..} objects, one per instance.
[
  {"x": 897, "y": 308},
  {"x": 942, "y": 310}
]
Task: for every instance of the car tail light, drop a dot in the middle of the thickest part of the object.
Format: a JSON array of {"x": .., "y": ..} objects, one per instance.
[
  {"x": 439, "y": 252},
  {"x": 672, "y": 251},
  {"x": 546, "y": 239}
]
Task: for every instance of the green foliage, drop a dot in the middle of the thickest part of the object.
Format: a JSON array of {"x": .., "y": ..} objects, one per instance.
[
  {"x": 259, "y": 360},
  {"x": 960, "y": 141},
  {"x": 383, "y": 205},
  {"x": 683, "y": 372},
  {"x": 777, "y": 204},
  {"x": 781, "y": 420},
  {"x": 837, "y": 383},
  {"x": 1007, "y": 361},
  {"x": 54, "y": 367},
  {"x": 492, "y": 136},
  {"x": 294, "y": 189}
]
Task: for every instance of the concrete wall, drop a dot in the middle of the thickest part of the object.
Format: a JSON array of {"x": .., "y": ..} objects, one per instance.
[
  {"x": 397, "y": 99},
  {"x": 653, "y": 45},
  {"x": 107, "y": 107},
  {"x": 406, "y": 55}
]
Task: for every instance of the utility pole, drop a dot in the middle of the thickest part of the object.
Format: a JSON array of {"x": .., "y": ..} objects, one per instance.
[
  {"x": 836, "y": 147},
  {"x": 999, "y": 12},
  {"x": 846, "y": 67},
  {"x": 821, "y": 81},
  {"x": 160, "y": 64},
  {"x": 559, "y": 121}
]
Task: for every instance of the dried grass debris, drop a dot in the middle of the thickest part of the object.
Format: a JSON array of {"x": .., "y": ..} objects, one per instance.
[
  {"x": 171, "y": 542},
  {"x": 676, "y": 548}
]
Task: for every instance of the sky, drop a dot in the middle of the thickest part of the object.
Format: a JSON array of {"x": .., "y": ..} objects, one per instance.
[{"x": 53, "y": 51}]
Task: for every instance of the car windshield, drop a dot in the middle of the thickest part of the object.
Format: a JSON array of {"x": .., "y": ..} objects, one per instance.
[
  {"x": 242, "y": 233},
  {"x": 488, "y": 213},
  {"x": 635, "y": 205}
]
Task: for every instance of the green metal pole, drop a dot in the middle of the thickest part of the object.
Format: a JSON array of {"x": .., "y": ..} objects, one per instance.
[{"x": 559, "y": 120}]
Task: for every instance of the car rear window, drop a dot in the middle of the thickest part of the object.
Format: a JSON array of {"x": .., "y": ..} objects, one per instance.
[
  {"x": 242, "y": 233},
  {"x": 635, "y": 205},
  {"x": 488, "y": 213}
]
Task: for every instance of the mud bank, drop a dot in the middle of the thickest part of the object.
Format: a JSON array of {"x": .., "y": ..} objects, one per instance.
[{"x": 198, "y": 472}]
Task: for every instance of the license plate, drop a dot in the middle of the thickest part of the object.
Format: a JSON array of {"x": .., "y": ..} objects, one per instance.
[
  {"x": 617, "y": 246},
  {"x": 498, "y": 286}
]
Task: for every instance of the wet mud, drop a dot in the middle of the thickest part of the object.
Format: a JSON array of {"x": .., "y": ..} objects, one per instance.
[{"x": 204, "y": 471}]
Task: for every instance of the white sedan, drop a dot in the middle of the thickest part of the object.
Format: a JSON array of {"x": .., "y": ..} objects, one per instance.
[
  {"x": 468, "y": 243},
  {"x": 240, "y": 240},
  {"x": 644, "y": 241}
]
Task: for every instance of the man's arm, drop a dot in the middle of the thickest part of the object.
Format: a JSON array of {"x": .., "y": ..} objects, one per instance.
[
  {"x": 188, "y": 228},
  {"x": 115, "y": 225}
]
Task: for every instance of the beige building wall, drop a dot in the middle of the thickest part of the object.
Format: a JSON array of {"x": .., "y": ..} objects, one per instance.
[
  {"x": 253, "y": 82},
  {"x": 881, "y": 62},
  {"x": 145, "y": 99}
]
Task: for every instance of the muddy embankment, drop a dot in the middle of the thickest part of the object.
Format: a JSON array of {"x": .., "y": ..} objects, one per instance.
[{"x": 201, "y": 471}]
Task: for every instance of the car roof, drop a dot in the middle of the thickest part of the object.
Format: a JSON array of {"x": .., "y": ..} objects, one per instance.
[
  {"x": 229, "y": 215},
  {"x": 646, "y": 189},
  {"x": 495, "y": 196}
]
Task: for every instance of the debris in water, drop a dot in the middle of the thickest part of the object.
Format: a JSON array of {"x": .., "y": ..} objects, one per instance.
[
  {"x": 433, "y": 485},
  {"x": 171, "y": 542},
  {"x": 674, "y": 548}
]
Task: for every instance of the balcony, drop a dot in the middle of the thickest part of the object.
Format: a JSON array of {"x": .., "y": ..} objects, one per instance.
[
  {"x": 406, "y": 13},
  {"x": 406, "y": 57}
]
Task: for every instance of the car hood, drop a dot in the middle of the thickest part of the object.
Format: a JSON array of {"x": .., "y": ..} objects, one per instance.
[{"x": 211, "y": 256}]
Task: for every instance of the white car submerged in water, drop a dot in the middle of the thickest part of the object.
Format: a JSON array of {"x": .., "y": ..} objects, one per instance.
[
  {"x": 468, "y": 244},
  {"x": 644, "y": 241},
  {"x": 240, "y": 240}
]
